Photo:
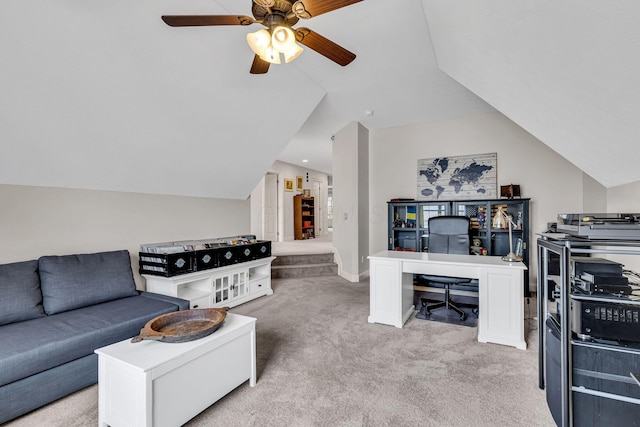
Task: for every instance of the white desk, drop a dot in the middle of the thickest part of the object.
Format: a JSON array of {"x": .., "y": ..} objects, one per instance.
[{"x": 500, "y": 290}]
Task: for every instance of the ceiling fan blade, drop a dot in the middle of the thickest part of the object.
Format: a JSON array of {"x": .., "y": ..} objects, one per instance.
[
  {"x": 324, "y": 46},
  {"x": 203, "y": 20},
  {"x": 306, "y": 9},
  {"x": 265, "y": 3},
  {"x": 259, "y": 66}
]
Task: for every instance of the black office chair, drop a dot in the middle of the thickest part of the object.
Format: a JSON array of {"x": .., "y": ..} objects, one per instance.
[{"x": 447, "y": 235}]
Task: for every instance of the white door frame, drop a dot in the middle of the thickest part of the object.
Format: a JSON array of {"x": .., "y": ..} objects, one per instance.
[{"x": 270, "y": 209}]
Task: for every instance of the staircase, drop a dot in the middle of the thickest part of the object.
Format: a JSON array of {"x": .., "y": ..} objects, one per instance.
[{"x": 301, "y": 265}]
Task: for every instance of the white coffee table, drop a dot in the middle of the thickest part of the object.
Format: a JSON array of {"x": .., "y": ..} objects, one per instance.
[{"x": 157, "y": 384}]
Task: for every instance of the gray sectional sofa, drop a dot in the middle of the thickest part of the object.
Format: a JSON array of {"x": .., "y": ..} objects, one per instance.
[{"x": 54, "y": 312}]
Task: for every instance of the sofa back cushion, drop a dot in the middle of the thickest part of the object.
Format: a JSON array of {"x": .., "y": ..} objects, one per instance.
[
  {"x": 73, "y": 281},
  {"x": 20, "y": 295}
]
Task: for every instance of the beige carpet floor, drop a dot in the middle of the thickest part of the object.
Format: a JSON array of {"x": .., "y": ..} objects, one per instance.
[
  {"x": 321, "y": 364},
  {"x": 320, "y": 245}
]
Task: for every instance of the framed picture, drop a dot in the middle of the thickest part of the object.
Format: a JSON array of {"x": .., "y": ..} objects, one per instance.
[
  {"x": 288, "y": 184},
  {"x": 299, "y": 183},
  {"x": 458, "y": 178}
]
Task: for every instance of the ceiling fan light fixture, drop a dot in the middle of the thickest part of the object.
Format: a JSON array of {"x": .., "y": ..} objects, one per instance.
[
  {"x": 279, "y": 38},
  {"x": 282, "y": 38},
  {"x": 259, "y": 42},
  {"x": 292, "y": 53}
]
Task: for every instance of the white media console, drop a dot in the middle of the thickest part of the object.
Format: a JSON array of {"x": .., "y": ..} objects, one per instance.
[{"x": 226, "y": 286}]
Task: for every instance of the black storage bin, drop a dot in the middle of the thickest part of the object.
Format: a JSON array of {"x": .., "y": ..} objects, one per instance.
[
  {"x": 262, "y": 249},
  {"x": 206, "y": 259},
  {"x": 247, "y": 252},
  {"x": 228, "y": 255},
  {"x": 208, "y": 254},
  {"x": 166, "y": 265}
]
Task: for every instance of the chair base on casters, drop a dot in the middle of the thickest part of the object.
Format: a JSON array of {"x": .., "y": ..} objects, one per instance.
[{"x": 426, "y": 309}]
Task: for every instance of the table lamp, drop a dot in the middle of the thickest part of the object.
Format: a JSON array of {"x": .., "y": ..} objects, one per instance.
[{"x": 511, "y": 256}]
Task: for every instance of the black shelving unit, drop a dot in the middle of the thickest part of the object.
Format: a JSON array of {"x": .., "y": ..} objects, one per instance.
[
  {"x": 408, "y": 225},
  {"x": 587, "y": 377}
]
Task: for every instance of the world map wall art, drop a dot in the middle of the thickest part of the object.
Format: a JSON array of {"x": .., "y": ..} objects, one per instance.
[{"x": 458, "y": 178}]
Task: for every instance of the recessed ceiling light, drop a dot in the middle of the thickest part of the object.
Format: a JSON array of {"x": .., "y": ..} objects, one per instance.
[{"x": 305, "y": 161}]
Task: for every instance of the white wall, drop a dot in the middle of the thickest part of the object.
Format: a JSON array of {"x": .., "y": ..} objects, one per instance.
[
  {"x": 594, "y": 196},
  {"x": 363, "y": 199},
  {"x": 36, "y": 221},
  {"x": 350, "y": 195},
  {"x": 624, "y": 198},
  {"x": 620, "y": 199},
  {"x": 553, "y": 184},
  {"x": 257, "y": 206}
]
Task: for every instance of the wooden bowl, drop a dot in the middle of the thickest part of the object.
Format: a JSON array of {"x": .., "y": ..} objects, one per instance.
[{"x": 183, "y": 326}]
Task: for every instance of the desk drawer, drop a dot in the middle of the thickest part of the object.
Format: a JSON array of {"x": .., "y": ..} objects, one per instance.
[{"x": 451, "y": 270}]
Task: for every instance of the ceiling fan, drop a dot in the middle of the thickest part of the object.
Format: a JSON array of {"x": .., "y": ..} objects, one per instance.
[{"x": 278, "y": 16}]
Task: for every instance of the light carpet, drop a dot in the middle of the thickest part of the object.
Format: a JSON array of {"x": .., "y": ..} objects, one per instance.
[
  {"x": 322, "y": 244},
  {"x": 321, "y": 364}
]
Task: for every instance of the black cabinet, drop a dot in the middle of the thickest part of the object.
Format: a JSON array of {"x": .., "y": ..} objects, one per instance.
[
  {"x": 408, "y": 226},
  {"x": 408, "y": 223}
]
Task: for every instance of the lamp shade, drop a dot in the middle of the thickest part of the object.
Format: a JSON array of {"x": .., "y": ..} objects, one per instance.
[
  {"x": 259, "y": 41},
  {"x": 292, "y": 53},
  {"x": 282, "y": 38},
  {"x": 271, "y": 55}
]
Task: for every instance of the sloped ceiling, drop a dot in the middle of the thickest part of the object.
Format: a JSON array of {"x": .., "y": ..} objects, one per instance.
[
  {"x": 101, "y": 94},
  {"x": 566, "y": 71}
]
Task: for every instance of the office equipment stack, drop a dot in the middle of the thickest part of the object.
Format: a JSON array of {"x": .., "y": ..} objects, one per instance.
[
  {"x": 610, "y": 226},
  {"x": 589, "y": 356}
]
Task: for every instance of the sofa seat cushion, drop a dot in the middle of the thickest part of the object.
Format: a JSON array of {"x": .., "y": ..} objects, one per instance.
[
  {"x": 40, "y": 344},
  {"x": 20, "y": 294},
  {"x": 74, "y": 281}
]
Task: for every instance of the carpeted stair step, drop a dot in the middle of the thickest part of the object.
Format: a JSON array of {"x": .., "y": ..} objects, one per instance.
[
  {"x": 303, "y": 259},
  {"x": 303, "y": 265}
]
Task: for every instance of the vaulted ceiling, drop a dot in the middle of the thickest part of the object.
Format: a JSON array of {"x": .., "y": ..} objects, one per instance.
[{"x": 101, "y": 94}]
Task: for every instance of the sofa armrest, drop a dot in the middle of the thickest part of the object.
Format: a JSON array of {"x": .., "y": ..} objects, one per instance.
[{"x": 182, "y": 304}]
